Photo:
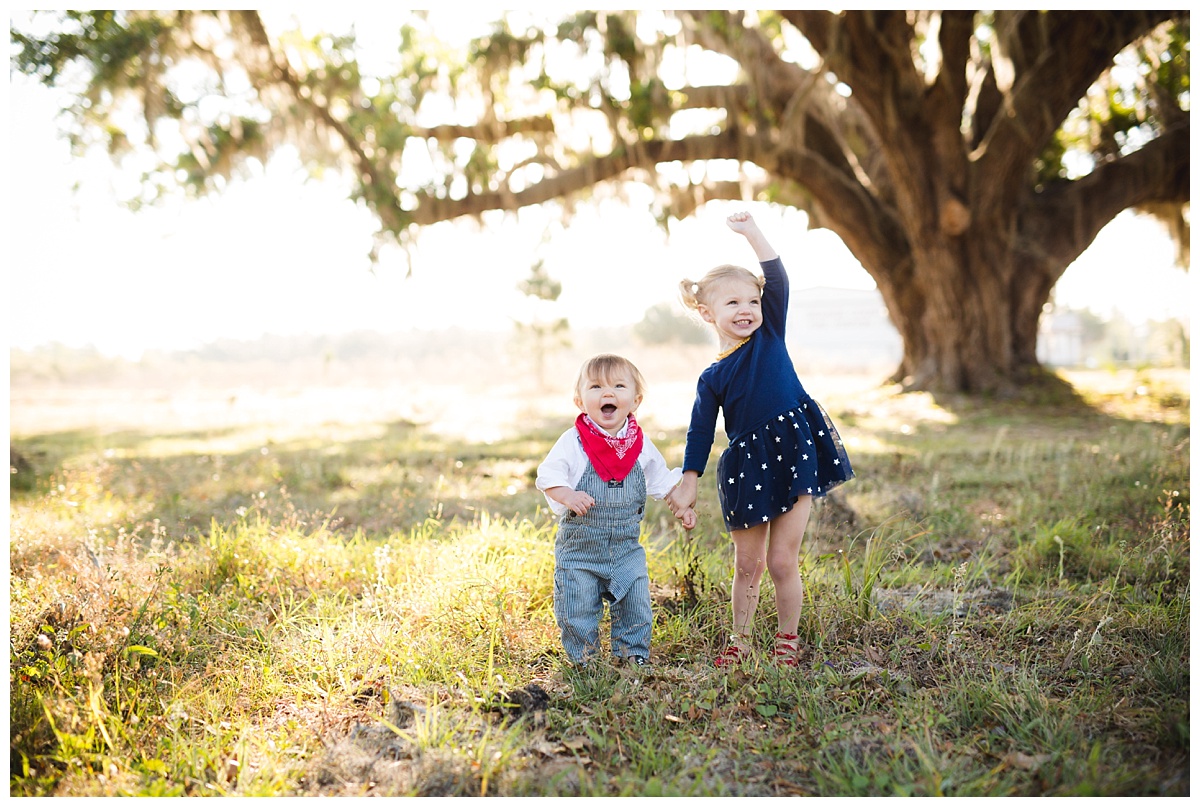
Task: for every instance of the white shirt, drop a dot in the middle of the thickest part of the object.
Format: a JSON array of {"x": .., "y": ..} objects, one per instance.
[{"x": 567, "y": 461}]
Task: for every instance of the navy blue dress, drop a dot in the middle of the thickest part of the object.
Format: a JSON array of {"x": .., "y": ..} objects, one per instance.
[{"x": 782, "y": 444}]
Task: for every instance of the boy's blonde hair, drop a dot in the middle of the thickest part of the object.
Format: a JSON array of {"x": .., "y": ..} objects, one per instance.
[
  {"x": 603, "y": 367},
  {"x": 696, "y": 293}
]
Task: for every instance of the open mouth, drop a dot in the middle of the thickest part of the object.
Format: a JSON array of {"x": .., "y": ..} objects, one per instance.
[{"x": 608, "y": 409}]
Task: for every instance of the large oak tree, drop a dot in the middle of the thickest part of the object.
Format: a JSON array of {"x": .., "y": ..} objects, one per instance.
[{"x": 965, "y": 158}]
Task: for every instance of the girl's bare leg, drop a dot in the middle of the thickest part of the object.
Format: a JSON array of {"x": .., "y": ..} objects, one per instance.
[
  {"x": 783, "y": 563},
  {"x": 749, "y": 563}
]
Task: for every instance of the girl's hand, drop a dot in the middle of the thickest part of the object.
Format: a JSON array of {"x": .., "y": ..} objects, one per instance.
[
  {"x": 682, "y": 496},
  {"x": 741, "y": 222}
]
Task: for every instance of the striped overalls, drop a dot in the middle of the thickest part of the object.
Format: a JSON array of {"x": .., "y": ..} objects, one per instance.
[{"x": 598, "y": 559}]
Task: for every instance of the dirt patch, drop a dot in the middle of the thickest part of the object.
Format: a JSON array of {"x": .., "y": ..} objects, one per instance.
[
  {"x": 960, "y": 604},
  {"x": 415, "y": 750}
]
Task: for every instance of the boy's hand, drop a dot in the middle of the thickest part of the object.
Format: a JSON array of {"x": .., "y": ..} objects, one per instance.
[
  {"x": 579, "y": 502},
  {"x": 576, "y": 501},
  {"x": 688, "y": 517}
]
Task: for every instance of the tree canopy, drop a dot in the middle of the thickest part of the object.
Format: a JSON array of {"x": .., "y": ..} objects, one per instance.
[{"x": 965, "y": 158}]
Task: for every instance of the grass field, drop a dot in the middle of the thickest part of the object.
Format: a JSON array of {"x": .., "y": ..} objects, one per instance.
[{"x": 348, "y": 591}]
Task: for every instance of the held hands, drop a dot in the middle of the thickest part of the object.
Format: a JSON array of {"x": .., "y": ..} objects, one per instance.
[{"x": 682, "y": 499}]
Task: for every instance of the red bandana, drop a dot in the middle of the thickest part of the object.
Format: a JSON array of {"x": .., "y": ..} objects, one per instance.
[{"x": 612, "y": 457}]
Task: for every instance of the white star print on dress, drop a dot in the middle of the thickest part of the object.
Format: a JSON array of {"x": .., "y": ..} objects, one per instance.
[{"x": 805, "y": 460}]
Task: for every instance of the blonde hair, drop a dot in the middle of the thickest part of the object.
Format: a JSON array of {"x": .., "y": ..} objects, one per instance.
[
  {"x": 603, "y": 367},
  {"x": 696, "y": 293}
]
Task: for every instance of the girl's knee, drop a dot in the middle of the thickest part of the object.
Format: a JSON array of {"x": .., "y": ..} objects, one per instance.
[
  {"x": 750, "y": 568},
  {"x": 783, "y": 565}
]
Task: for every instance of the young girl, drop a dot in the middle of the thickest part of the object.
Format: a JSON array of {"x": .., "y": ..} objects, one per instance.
[
  {"x": 596, "y": 478},
  {"x": 783, "y": 449}
]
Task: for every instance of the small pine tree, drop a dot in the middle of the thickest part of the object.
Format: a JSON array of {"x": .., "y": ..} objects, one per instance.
[{"x": 542, "y": 334}]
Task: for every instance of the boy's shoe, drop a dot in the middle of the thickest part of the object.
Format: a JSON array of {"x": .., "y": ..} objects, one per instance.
[
  {"x": 639, "y": 662},
  {"x": 734, "y": 653},
  {"x": 787, "y": 650}
]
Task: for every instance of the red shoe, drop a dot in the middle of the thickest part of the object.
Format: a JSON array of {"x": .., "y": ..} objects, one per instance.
[
  {"x": 733, "y": 654},
  {"x": 787, "y": 650}
]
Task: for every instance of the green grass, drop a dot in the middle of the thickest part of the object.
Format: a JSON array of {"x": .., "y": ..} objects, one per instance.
[{"x": 997, "y": 605}]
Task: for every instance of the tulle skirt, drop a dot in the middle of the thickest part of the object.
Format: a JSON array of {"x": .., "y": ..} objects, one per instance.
[{"x": 764, "y": 471}]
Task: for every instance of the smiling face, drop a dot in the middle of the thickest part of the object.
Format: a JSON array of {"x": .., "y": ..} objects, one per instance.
[
  {"x": 608, "y": 395},
  {"x": 734, "y": 307}
]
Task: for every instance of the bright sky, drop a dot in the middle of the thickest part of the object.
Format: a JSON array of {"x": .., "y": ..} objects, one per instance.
[{"x": 283, "y": 256}]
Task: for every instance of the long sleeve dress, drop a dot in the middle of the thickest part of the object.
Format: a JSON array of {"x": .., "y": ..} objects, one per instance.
[{"x": 782, "y": 444}]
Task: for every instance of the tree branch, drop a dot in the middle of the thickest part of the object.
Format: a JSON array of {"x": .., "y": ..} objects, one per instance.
[
  {"x": 429, "y": 209},
  {"x": 944, "y": 105},
  {"x": 795, "y": 102},
  {"x": 871, "y": 52},
  {"x": 771, "y": 82},
  {"x": 1065, "y": 218},
  {"x": 1044, "y": 91},
  {"x": 868, "y": 228},
  {"x": 489, "y": 132},
  {"x": 377, "y": 186},
  {"x": 713, "y": 96},
  {"x": 685, "y": 201},
  {"x": 954, "y": 41}
]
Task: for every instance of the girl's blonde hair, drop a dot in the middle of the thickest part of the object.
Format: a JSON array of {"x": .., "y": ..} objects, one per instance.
[
  {"x": 696, "y": 293},
  {"x": 603, "y": 367}
]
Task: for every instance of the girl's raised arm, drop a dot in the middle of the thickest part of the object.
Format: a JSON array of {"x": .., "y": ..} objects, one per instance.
[{"x": 744, "y": 224}]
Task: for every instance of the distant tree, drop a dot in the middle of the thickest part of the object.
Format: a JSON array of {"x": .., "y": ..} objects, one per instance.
[
  {"x": 664, "y": 324},
  {"x": 965, "y": 157},
  {"x": 542, "y": 334},
  {"x": 1169, "y": 343},
  {"x": 1093, "y": 327}
]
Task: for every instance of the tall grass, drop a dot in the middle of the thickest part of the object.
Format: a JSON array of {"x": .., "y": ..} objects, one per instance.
[{"x": 997, "y": 605}]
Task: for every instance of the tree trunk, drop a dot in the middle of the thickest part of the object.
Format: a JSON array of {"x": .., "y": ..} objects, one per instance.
[{"x": 969, "y": 319}]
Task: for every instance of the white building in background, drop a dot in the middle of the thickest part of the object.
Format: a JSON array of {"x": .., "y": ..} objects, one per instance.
[
  {"x": 834, "y": 330},
  {"x": 841, "y": 330},
  {"x": 1060, "y": 339}
]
